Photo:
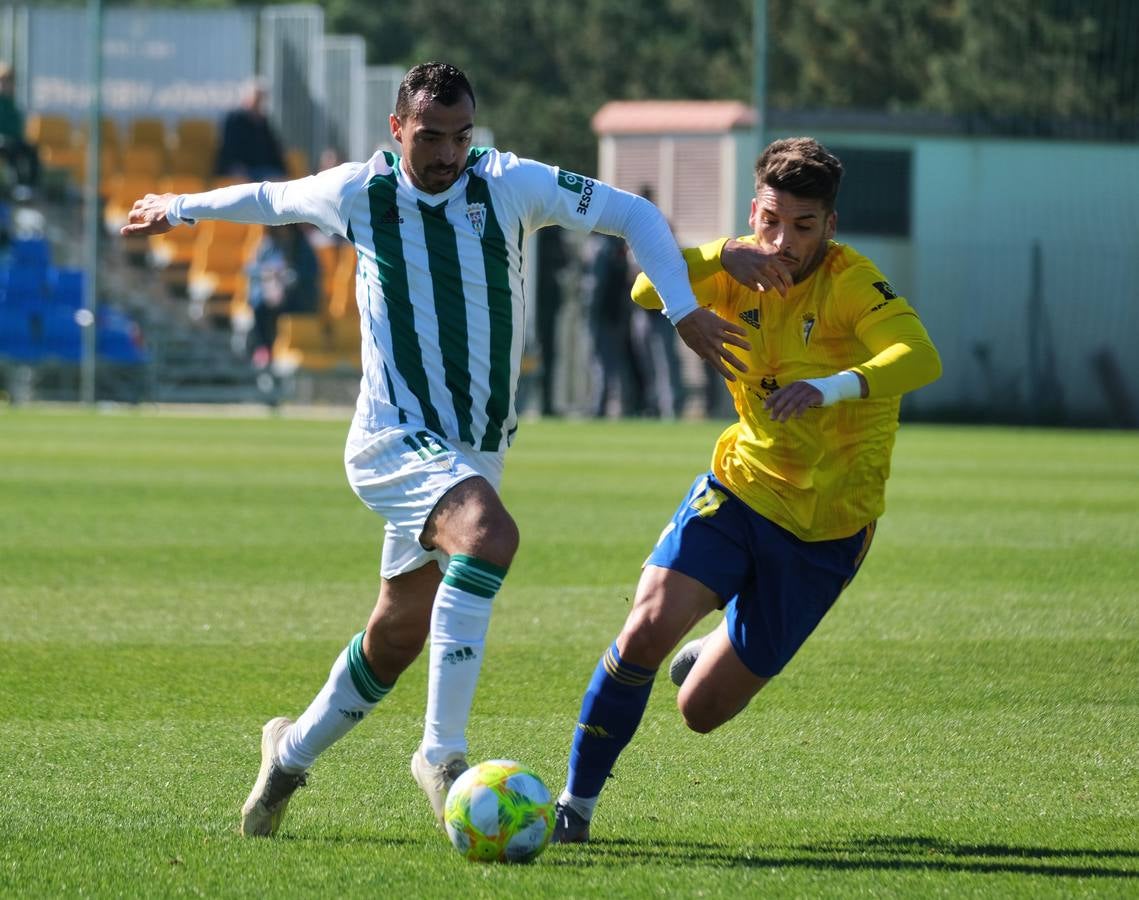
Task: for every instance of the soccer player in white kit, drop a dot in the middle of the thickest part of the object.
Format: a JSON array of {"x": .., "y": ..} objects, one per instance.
[{"x": 439, "y": 236}]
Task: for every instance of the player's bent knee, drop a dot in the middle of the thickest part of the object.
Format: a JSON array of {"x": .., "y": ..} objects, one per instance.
[
  {"x": 498, "y": 540},
  {"x": 705, "y": 716},
  {"x": 699, "y": 723},
  {"x": 648, "y": 636}
]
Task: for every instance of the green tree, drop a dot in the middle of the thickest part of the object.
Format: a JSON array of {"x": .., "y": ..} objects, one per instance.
[{"x": 542, "y": 68}]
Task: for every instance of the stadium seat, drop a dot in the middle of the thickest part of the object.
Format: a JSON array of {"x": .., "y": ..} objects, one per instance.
[
  {"x": 328, "y": 255},
  {"x": 109, "y": 136},
  {"x": 296, "y": 163},
  {"x": 123, "y": 190},
  {"x": 117, "y": 339},
  {"x": 73, "y": 161},
  {"x": 342, "y": 301},
  {"x": 30, "y": 253},
  {"x": 299, "y": 335},
  {"x": 199, "y": 135},
  {"x": 16, "y": 341},
  {"x": 147, "y": 131},
  {"x": 212, "y": 278},
  {"x": 318, "y": 342},
  {"x": 144, "y": 160},
  {"x": 190, "y": 161},
  {"x": 61, "y": 336},
  {"x": 65, "y": 287},
  {"x": 181, "y": 183},
  {"x": 172, "y": 252},
  {"x": 48, "y": 131},
  {"x": 22, "y": 286}
]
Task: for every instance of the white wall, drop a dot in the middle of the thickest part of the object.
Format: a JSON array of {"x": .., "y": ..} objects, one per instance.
[{"x": 979, "y": 207}]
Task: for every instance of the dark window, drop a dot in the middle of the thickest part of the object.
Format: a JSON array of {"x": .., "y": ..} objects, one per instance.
[{"x": 875, "y": 193}]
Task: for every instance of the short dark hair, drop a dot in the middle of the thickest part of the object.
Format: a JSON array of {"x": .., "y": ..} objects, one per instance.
[
  {"x": 801, "y": 166},
  {"x": 441, "y": 82}
]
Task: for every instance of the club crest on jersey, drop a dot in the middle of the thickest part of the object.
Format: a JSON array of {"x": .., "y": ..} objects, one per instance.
[
  {"x": 808, "y": 327},
  {"x": 768, "y": 384},
  {"x": 750, "y": 317},
  {"x": 476, "y": 215}
]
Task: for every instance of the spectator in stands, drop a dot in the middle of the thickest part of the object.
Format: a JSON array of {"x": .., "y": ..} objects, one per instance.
[
  {"x": 655, "y": 355},
  {"x": 607, "y": 283},
  {"x": 284, "y": 277},
  {"x": 250, "y": 148},
  {"x": 20, "y": 155},
  {"x": 551, "y": 262}
]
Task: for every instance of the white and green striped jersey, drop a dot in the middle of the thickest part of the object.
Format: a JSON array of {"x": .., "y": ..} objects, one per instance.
[
  {"x": 439, "y": 277},
  {"x": 440, "y": 289}
]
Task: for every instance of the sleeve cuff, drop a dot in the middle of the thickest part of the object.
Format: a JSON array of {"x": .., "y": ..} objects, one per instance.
[
  {"x": 172, "y": 214},
  {"x": 677, "y": 312}
]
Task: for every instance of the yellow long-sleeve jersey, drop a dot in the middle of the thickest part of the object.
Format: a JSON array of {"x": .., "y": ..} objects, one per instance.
[{"x": 821, "y": 476}]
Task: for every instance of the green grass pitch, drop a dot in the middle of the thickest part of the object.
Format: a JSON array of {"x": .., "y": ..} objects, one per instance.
[{"x": 964, "y": 723}]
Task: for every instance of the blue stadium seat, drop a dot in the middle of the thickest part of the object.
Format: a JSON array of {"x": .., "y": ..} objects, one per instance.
[
  {"x": 62, "y": 337},
  {"x": 17, "y": 342},
  {"x": 30, "y": 253},
  {"x": 65, "y": 287},
  {"x": 22, "y": 286},
  {"x": 118, "y": 338}
]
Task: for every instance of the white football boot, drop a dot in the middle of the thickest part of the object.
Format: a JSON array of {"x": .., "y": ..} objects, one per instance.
[
  {"x": 436, "y": 780},
  {"x": 263, "y": 810}
]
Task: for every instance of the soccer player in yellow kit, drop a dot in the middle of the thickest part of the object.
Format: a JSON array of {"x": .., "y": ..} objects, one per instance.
[{"x": 780, "y": 524}]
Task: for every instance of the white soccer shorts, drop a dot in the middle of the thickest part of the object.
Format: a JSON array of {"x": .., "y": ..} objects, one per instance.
[{"x": 401, "y": 472}]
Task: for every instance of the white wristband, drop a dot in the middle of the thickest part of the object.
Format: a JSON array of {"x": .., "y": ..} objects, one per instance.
[{"x": 841, "y": 386}]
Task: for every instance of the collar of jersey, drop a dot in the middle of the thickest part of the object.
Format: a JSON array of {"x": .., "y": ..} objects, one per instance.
[{"x": 446, "y": 196}]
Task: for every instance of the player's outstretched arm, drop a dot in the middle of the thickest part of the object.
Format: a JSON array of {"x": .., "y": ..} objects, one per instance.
[
  {"x": 148, "y": 216},
  {"x": 708, "y": 336}
]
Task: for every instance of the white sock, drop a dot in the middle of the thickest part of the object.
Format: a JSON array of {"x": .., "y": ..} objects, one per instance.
[
  {"x": 583, "y": 806},
  {"x": 350, "y": 693},
  {"x": 459, "y": 622}
]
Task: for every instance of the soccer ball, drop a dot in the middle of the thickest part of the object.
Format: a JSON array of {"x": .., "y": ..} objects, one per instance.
[{"x": 499, "y": 811}]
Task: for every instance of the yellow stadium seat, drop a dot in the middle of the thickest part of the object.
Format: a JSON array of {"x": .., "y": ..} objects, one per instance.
[
  {"x": 327, "y": 255},
  {"x": 144, "y": 160},
  {"x": 47, "y": 131},
  {"x": 109, "y": 137},
  {"x": 296, "y": 163},
  {"x": 147, "y": 131},
  {"x": 191, "y": 161},
  {"x": 342, "y": 300},
  {"x": 196, "y": 134},
  {"x": 73, "y": 161},
  {"x": 214, "y": 270},
  {"x": 309, "y": 341},
  {"x": 178, "y": 183},
  {"x": 172, "y": 253}
]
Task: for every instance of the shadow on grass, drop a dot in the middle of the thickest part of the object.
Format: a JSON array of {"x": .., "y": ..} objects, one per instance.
[{"x": 883, "y": 852}]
